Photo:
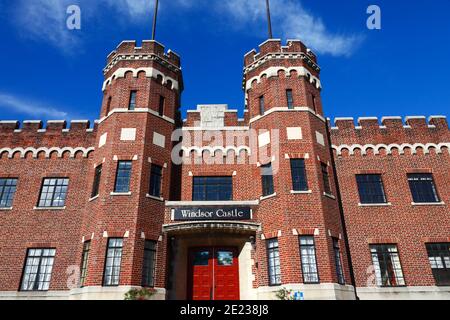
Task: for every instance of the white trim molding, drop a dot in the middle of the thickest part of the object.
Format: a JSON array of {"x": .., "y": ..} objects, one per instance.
[
  {"x": 48, "y": 151},
  {"x": 213, "y": 150},
  {"x": 389, "y": 148},
  {"x": 149, "y": 73}
]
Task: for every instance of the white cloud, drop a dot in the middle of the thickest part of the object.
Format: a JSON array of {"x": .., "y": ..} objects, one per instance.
[{"x": 19, "y": 105}]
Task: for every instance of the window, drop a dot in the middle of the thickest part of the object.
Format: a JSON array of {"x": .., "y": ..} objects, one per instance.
[
  {"x": 261, "y": 105},
  {"x": 273, "y": 256},
  {"x": 97, "y": 178},
  {"x": 439, "y": 256},
  {"x": 267, "y": 180},
  {"x": 123, "y": 177},
  {"x": 7, "y": 191},
  {"x": 386, "y": 261},
  {"x": 309, "y": 261},
  {"x": 314, "y": 102},
  {"x": 148, "y": 269},
  {"x": 53, "y": 192},
  {"x": 326, "y": 178},
  {"x": 38, "y": 270},
  {"x": 338, "y": 261},
  {"x": 290, "y": 99},
  {"x": 422, "y": 188},
  {"x": 370, "y": 187},
  {"x": 113, "y": 261},
  {"x": 84, "y": 262},
  {"x": 108, "y": 106},
  {"x": 213, "y": 189},
  {"x": 133, "y": 97},
  {"x": 298, "y": 172},
  {"x": 162, "y": 102},
  {"x": 155, "y": 181}
]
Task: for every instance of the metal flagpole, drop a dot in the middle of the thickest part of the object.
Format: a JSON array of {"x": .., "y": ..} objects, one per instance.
[
  {"x": 155, "y": 15},
  {"x": 269, "y": 20}
]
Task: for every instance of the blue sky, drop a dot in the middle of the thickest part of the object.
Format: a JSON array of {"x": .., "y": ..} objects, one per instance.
[{"x": 49, "y": 72}]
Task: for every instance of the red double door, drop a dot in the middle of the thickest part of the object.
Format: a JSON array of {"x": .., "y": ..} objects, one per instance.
[{"x": 213, "y": 274}]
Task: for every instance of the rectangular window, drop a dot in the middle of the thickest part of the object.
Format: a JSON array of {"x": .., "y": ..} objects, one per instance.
[
  {"x": 38, "y": 270},
  {"x": 439, "y": 256},
  {"x": 423, "y": 188},
  {"x": 97, "y": 178},
  {"x": 338, "y": 261},
  {"x": 370, "y": 187},
  {"x": 267, "y": 180},
  {"x": 148, "y": 269},
  {"x": 7, "y": 191},
  {"x": 298, "y": 172},
  {"x": 290, "y": 99},
  {"x": 133, "y": 97},
  {"x": 53, "y": 192},
  {"x": 386, "y": 261},
  {"x": 212, "y": 189},
  {"x": 108, "y": 106},
  {"x": 84, "y": 262},
  {"x": 273, "y": 256},
  {"x": 162, "y": 103},
  {"x": 326, "y": 178},
  {"x": 314, "y": 102},
  {"x": 113, "y": 262},
  {"x": 261, "y": 105},
  {"x": 155, "y": 180},
  {"x": 123, "y": 177},
  {"x": 309, "y": 261}
]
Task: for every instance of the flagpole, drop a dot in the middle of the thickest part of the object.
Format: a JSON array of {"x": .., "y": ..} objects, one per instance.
[
  {"x": 269, "y": 20},
  {"x": 155, "y": 15}
]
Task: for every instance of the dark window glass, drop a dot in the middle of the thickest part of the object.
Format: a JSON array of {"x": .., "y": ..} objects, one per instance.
[
  {"x": 314, "y": 102},
  {"x": 261, "y": 105},
  {"x": 298, "y": 172},
  {"x": 439, "y": 256},
  {"x": 201, "y": 258},
  {"x": 38, "y": 270},
  {"x": 422, "y": 188},
  {"x": 213, "y": 189},
  {"x": 108, "y": 106},
  {"x": 273, "y": 256},
  {"x": 309, "y": 261},
  {"x": 370, "y": 187},
  {"x": 267, "y": 180},
  {"x": 7, "y": 191},
  {"x": 133, "y": 96},
  {"x": 113, "y": 262},
  {"x": 97, "y": 178},
  {"x": 84, "y": 262},
  {"x": 53, "y": 192},
  {"x": 338, "y": 261},
  {"x": 162, "y": 102},
  {"x": 148, "y": 269},
  {"x": 326, "y": 179},
  {"x": 155, "y": 180},
  {"x": 386, "y": 261},
  {"x": 290, "y": 99},
  {"x": 123, "y": 177}
]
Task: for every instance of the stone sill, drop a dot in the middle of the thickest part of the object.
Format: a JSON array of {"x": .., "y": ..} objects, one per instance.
[
  {"x": 329, "y": 196},
  {"x": 49, "y": 208},
  {"x": 375, "y": 204},
  {"x": 94, "y": 198},
  {"x": 268, "y": 197},
  {"x": 301, "y": 192},
  {"x": 155, "y": 198},
  {"x": 428, "y": 204},
  {"x": 120, "y": 194},
  {"x": 6, "y": 209}
]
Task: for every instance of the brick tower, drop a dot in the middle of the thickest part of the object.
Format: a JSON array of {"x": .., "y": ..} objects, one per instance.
[
  {"x": 140, "y": 110},
  {"x": 282, "y": 90}
]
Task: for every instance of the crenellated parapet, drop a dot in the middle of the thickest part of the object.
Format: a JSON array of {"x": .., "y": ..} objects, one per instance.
[
  {"x": 213, "y": 117},
  {"x": 56, "y": 136},
  {"x": 389, "y": 134}
]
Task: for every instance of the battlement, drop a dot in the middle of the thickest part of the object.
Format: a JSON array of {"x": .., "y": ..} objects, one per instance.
[
  {"x": 149, "y": 47},
  {"x": 370, "y": 130},
  {"x": 213, "y": 117},
  {"x": 275, "y": 47}
]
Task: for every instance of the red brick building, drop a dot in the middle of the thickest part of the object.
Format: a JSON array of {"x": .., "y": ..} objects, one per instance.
[{"x": 218, "y": 207}]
